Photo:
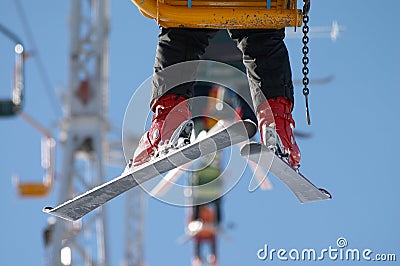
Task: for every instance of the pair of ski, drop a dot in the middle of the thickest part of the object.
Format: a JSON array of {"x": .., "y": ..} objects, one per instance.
[{"x": 235, "y": 133}]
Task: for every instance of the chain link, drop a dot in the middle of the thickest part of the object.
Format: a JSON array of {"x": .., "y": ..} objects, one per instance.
[{"x": 306, "y": 60}]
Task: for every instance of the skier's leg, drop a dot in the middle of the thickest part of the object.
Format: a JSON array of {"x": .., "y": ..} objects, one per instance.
[
  {"x": 270, "y": 79},
  {"x": 168, "y": 100},
  {"x": 218, "y": 213},
  {"x": 212, "y": 258},
  {"x": 196, "y": 256},
  {"x": 177, "y": 45},
  {"x": 196, "y": 212}
]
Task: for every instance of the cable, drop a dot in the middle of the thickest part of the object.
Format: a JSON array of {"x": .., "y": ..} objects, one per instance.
[
  {"x": 42, "y": 71},
  {"x": 9, "y": 34}
]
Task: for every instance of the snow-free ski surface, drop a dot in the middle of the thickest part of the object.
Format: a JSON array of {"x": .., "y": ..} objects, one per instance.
[
  {"x": 81, "y": 205},
  {"x": 304, "y": 190}
]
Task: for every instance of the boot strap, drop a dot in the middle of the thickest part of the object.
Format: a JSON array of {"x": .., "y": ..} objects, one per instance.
[{"x": 287, "y": 116}]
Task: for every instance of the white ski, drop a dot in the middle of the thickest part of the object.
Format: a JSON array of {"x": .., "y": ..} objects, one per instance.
[
  {"x": 79, "y": 206},
  {"x": 302, "y": 188}
]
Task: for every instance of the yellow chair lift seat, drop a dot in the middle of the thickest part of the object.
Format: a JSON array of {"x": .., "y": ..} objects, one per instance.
[{"x": 219, "y": 14}]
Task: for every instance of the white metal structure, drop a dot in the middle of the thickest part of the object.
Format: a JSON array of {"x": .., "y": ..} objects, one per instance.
[
  {"x": 85, "y": 147},
  {"x": 134, "y": 227},
  {"x": 83, "y": 136}
]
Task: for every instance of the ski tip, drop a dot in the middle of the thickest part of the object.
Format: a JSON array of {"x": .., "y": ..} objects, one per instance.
[
  {"x": 322, "y": 196},
  {"x": 249, "y": 148},
  {"x": 47, "y": 209},
  {"x": 251, "y": 127},
  {"x": 53, "y": 211},
  {"x": 326, "y": 192},
  {"x": 245, "y": 150}
]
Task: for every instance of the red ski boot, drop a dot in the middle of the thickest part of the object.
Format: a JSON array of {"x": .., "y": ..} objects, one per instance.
[
  {"x": 171, "y": 111},
  {"x": 276, "y": 125}
]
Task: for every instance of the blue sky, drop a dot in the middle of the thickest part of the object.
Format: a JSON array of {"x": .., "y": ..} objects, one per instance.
[{"x": 353, "y": 151}]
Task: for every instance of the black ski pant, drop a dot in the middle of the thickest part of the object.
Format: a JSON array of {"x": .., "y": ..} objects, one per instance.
[{"x": 264, "y": 55}]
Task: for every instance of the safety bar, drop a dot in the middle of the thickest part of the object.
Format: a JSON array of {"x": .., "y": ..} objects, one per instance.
[
  {"x": 251, "y": 14},
  {"x": 9, "y": 107}
]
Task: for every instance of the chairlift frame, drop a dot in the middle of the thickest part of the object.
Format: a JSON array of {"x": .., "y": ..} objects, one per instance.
[{"x": 13, "y": 105}]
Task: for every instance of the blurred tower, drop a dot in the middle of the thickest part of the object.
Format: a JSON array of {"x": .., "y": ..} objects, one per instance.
[
  {"x": 134, "y": 227},
  {"x": 83, "y": 136}
]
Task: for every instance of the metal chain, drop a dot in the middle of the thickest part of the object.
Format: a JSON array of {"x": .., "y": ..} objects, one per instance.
[{"x": 305, "y": 59}]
